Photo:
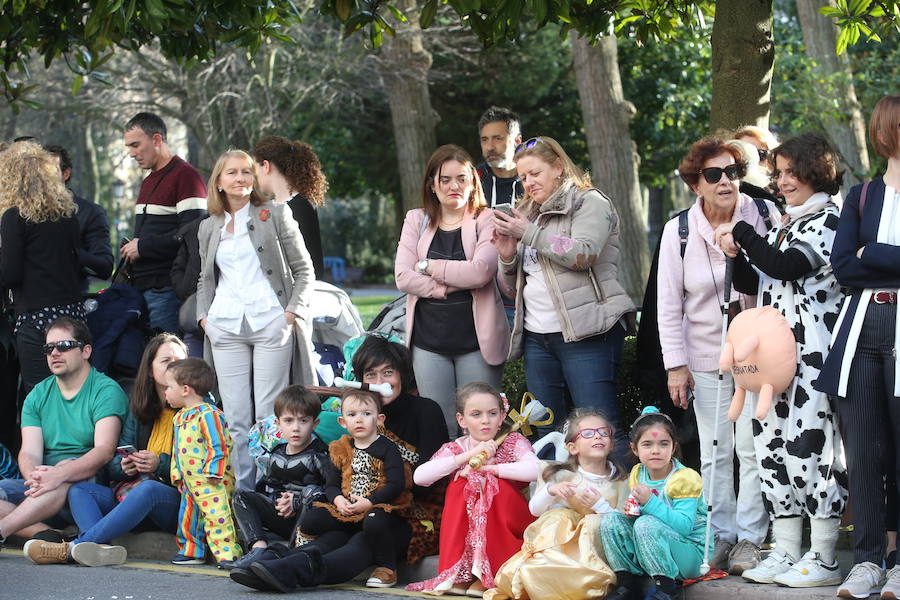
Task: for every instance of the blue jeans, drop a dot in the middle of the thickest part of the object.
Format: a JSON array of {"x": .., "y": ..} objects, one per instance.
[
  {"x": 163, "y": 305},
  {"x": 150, "y": 504},
  {"x": 586, "y": 368}
]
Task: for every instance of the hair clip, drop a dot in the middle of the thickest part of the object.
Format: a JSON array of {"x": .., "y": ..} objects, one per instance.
[
  {"x": 565, "y": 430},
  {"x": 652, "y": 410}
]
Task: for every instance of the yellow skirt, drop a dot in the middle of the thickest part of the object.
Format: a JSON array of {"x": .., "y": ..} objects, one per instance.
[{"x": 561, "y": 559}]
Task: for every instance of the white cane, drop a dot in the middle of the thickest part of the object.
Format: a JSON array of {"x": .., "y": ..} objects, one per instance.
[{"x": 729, "y": 270}]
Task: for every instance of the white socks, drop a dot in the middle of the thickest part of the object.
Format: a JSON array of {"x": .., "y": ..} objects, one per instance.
[
  {"x": 788, "y": 534},
  {"x": 823, "y": 537}
]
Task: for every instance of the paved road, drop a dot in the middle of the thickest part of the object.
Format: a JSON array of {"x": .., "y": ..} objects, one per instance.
[{"x": 20, "y": 579}]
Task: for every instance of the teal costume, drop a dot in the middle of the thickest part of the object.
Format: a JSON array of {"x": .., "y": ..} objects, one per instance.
[{"x": 666, "y": 540}]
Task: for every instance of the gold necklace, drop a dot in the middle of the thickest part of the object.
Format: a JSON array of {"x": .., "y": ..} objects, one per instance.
[{"x": 457, "y": 222}]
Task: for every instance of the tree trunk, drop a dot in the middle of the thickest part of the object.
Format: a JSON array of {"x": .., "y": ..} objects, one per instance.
[
  {"x": 404, "y": 67},
  {"x": 742, "y": 57},
  {"x": 614, "y": 161},
  {"x": 843, "y": 119}
]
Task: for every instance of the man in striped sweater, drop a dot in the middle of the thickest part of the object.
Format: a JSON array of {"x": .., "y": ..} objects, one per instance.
[{"x": 172, "y": 195}]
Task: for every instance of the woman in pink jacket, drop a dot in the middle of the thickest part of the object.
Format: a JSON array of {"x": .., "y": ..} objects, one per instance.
[
  {"x": 690, "y": 293},
  {"x": 446, "y": 264}
]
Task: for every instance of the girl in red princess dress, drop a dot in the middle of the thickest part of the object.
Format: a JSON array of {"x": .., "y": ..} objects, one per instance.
[{"x": 485, "y": 513}]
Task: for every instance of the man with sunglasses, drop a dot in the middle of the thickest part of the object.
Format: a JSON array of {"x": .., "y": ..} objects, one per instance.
[{"x": 70, "y": 427}]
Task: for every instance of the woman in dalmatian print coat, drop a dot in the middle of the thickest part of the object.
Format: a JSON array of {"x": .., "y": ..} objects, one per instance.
[{"x": 798, "y": 446}]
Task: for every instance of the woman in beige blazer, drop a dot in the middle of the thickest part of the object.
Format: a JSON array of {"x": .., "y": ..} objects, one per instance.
[{"x": 252, "y": 300}]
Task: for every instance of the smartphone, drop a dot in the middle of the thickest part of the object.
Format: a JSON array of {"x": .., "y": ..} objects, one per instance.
[
  {"x": 505, "y": 208},
  {"x": 125, "y": 450}
]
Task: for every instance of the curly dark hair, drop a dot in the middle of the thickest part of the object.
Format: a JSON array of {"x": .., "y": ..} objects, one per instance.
[
  {"x": 701, "y": 151},
  {"x": 298, "y": 162},
  {"x": 377, "y": 350},
  {"x": 813, "y": 161}
]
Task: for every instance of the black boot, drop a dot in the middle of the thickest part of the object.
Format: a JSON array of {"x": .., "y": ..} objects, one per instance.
[
  {"x": 666, "y": 589},
  {"x": 627, "y": 587},
  {"x": 282, "y": 574},
  {"x": 316, "y": 571}
]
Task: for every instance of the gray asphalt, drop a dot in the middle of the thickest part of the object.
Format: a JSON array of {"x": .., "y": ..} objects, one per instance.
[{"x": 20, "y": 579}]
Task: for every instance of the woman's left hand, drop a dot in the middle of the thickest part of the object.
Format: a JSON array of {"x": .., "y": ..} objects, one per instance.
[
  {"x": 513, "y": 226},
  {"x": 145, "y": 461},
  {"x": 290, "y": 318}
]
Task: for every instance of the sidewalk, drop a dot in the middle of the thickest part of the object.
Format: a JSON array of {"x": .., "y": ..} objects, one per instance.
[{"x": 161, "y": 547}]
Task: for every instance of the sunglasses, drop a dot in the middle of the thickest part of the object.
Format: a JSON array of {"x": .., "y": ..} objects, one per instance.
[
  {"x": 528, "y": 144},
  {"x": 63, "y": 346},
  {"x": 763, "y": 154},
  {"x": 592, "y": 432},
  {"x": 714, "y": 174}
]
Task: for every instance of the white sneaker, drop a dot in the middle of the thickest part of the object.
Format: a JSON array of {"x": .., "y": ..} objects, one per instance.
[
  {"x": 863, "y": 580},
  {"x": 775, "y": 564},
  {"x": 810, "y": 571},
  {"x": 891, "y": 589}
]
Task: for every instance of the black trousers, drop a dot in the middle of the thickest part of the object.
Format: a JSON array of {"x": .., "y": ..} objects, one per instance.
[
  {"x": 32, "y": 360},
  {"x": 870, "y": 418},
  {"x": 348, "y": 548},
  {"x": 254, "y": 513}
]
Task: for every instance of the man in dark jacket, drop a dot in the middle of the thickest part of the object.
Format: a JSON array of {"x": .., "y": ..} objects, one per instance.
[
  {"x": 95, "y": 255},
  {"x": 171, "y": 196}
]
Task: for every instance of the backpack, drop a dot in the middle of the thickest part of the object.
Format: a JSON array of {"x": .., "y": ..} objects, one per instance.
[
  {"x": 683, "y": 228},
  {"x": 119, "y": 325}
]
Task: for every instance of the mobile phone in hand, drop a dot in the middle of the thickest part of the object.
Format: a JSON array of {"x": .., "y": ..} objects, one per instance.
[
  {"x": 505, "y": 208},
  {"x": 124, "y": 451}
]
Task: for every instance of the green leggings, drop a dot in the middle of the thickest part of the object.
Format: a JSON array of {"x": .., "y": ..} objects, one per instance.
[{"x": 646, "y": 545}]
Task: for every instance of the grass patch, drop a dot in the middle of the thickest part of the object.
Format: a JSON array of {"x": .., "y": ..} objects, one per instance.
[{"x": 369, "y": 306}]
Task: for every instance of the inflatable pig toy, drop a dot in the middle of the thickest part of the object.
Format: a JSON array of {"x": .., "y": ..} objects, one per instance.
[{"x": 761, "y": 353}]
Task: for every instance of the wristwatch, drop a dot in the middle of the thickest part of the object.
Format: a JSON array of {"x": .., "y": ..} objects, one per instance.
[{"x": 422, "y": 265}]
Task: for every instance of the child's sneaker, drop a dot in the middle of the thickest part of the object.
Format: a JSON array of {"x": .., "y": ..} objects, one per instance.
[
  {"x": 863, "y": 580},
  {"x": 765, "y": 572},
  {"x": 181, "y": 559},
  {"x": 891, "y": 589},
  {"x": 665, "y": 589},
  {"x": 810, "y": 571},
  {"x": 90, "y": 554},
  {"x": 382, "y": 577}
]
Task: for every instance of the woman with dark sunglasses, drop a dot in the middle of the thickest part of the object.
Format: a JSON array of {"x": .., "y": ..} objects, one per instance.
[
  {"x": 798, "y": 447},
  {"x": 862, "y": 367},
  {"x": 559, "y": 254},
  {"x": 690, "y": 295}
]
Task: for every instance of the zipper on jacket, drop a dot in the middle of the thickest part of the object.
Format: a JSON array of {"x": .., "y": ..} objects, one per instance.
[
  {"x": 595, "y": 284},
  {"x": 567, "y": 325}
]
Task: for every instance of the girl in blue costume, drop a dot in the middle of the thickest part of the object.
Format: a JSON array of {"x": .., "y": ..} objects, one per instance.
[{"x": 665, "y": 541}]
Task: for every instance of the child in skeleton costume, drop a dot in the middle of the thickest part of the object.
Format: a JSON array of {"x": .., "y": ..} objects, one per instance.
[{"x": 798, "y": 446}]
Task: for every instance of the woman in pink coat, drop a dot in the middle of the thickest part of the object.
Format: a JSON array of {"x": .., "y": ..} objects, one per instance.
[{"x": 446, "y": 264}]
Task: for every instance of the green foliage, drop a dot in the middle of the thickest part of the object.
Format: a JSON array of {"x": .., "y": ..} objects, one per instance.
[
  {"x": 670, "y": 84},
  {"x": 369, "y": 307},
  {"x": 86, "y": 34},
  {"x": 868, "y": 19},
  {"x": 361, "y": 231}
]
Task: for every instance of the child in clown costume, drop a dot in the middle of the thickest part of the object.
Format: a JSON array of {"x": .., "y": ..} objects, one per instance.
[{"x": 201, "y": 467}]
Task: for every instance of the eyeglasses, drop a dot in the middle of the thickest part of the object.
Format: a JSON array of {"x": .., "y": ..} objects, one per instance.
[
  {"x": 592, "y": 432},
  {"x": 63, "y": 346},
  {"x": 714, "y": 174},
  {"x": 528, "y": 144}
]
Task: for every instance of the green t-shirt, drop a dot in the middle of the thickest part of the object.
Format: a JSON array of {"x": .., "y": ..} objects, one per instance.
[{"x": 68, "y": 425}]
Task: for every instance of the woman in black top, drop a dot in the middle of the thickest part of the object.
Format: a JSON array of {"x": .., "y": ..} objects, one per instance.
[
  {"x": 39, "y": 253},
  {"x": 290, "y": 172}
]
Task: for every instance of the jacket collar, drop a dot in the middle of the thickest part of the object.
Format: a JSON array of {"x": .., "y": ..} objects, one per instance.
[{"x": 560, "y": 202}]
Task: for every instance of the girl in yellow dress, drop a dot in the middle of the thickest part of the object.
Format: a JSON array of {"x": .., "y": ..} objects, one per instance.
[{"x": 561, "y": 557}]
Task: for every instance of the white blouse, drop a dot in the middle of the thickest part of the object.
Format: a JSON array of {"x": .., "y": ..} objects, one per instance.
[{"x": 243, "y": 292}]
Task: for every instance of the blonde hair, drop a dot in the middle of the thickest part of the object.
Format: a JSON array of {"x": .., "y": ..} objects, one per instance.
[
  {"x": 760, "y": 134},
  {"x": 548, "y": 150},
  {"x": 756, "y": 174},
  {"x": 217, "y": 201},
  {"x": 30, "y": 180}
]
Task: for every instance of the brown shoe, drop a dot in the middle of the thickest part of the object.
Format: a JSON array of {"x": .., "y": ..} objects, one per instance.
[
  {"x": 382, "y": 577},
  {"x": 47, "y": 553}
]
